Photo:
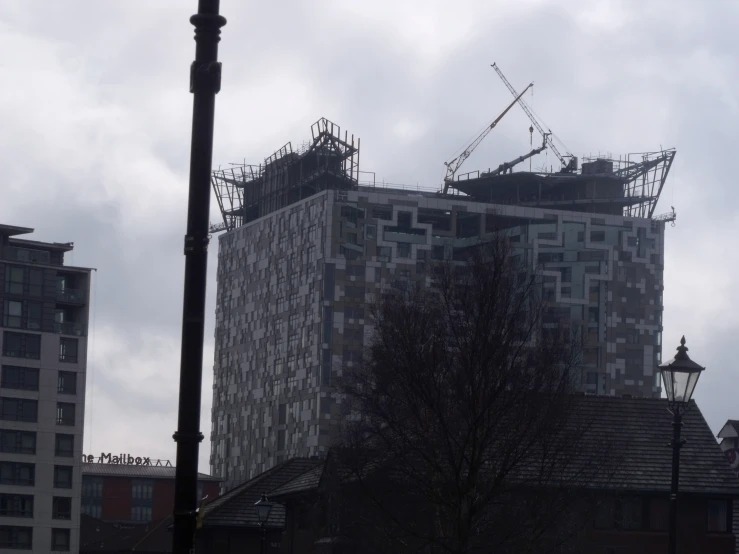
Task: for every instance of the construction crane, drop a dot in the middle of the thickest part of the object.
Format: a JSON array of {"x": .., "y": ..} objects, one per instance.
[
  {"x": 507, "y": 167},
  {"x": 452, "y": 166},
  {"x": 567, "y": 165}
]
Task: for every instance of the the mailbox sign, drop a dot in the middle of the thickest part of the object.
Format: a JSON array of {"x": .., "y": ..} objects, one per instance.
[{"x": 123, "y": 459}]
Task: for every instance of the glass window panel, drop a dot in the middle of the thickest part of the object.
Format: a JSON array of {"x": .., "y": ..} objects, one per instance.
[
  {"x": 67, "y": 382},
  {"x": 34, "y": 315}
]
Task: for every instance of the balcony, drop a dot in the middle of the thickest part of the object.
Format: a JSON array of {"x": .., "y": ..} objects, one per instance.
[
  {"x": 70, "y": 296},
  {"x": 70, "y": 328},
  {"x": 28, "y": 255}
]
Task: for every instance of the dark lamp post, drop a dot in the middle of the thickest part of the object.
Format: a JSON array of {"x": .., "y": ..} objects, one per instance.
[
  {"x": 680, "y": 375},
  {"x": 263, "y": 507},
  {"x": 205, "y": 82}
]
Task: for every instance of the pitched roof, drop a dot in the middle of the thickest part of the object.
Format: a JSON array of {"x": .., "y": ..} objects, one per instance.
[
  {"x": 639, "y": 431},
  {"x": 146, "y": 472},
  {"x": 730, "y": 430},
  {"x": 636, "y": 432},
  {"x": 302, "y": 483},
  {"x": 236, "y": 507}
]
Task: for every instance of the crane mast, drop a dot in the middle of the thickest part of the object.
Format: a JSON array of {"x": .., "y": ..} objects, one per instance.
[
  {"x": 452, "y": 166},
  {"x": 566, "y": 165}
]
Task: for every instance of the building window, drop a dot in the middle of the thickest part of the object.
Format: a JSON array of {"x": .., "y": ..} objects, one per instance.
[
  {"x": 142, "y": 493},
  {"x": 36, "y": 282},
  {"x": 141, "y": 513},
  {"x": 92, "y": 487},
  {"x": 17, "y": 473},
  {"x": 404, "y": 219},
  {"x": 142, "y": 490},
  {"x": 384, "y": 253},
  {"x": 18, "y": 538},
  {"x": 718, "y": 516},
  {"x": 64, "y": 413},
  {"x": 18, "y": 409},
  {"x": 92, "y": 507},
  {"x": 370, "y": 231},
  {"x": 21, "y": 345},
  {"x": 33, "y": 318},
  {"x": 356, "y": 293},
  {"x": 355, "y": 270},
  {"x": 67, "y": 382},
  {"x": 17, "y": 442},
  {"x": 60, "y": 540},
  {"x": 64, "y": 445},
  {"x": 61, "y": 507},
  {"x": 353, "y": 313},
  {"x": 13, "y": 313},
  {"x": 14, "y": 280},
  {"x": 63, "y": 477},
  {"x": 68, "y": 350},
  {"x": 16, "y": 505},
  {"x": 631, "y": 513},
  {"x": 658, "y": 514},
  {"x": 20, "y": 378},
  {"x": 605, "y": 513},
  {"x": 404, "y": 250}
]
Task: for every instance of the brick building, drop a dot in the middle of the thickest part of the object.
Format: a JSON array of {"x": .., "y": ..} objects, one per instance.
[
  {"x": 134, "y": 493},
  {"x": 627, "y": 512}
]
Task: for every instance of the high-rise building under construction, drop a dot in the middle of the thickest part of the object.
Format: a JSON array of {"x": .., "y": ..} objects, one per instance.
[{"x": 307, "y": 246}]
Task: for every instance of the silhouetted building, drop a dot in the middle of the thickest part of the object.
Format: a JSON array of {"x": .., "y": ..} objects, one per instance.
[{"x": 624, "y": 510}]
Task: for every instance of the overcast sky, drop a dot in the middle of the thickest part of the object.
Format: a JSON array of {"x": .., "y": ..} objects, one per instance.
[{"x": 95, "y": 120}]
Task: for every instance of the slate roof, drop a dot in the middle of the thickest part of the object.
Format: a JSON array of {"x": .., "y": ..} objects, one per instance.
[
  {"x": 730, "y": 429},
  {"x": 147, "y": 472},
  {"x": 236, "y": 507},
  {"x": 147, "y": 538},
  {"x": 302, "y": 483},
  {"x": 639, "y": 431}
]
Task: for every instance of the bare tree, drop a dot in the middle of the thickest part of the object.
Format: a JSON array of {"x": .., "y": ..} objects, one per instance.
[{"x": 462, "y": 436}]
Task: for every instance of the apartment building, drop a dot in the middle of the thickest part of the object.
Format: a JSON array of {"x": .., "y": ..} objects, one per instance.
[
  {"x": 307, "y": 247},
  {"x": 44, "y": 307}
]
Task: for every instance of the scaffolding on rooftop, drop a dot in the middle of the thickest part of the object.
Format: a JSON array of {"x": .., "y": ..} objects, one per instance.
[{"x": 246, "y": 192}]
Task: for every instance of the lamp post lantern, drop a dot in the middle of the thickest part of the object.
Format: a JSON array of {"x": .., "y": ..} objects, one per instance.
[
  {"x": 263, "y": 507},
  {"x": 679, "y": 375}
]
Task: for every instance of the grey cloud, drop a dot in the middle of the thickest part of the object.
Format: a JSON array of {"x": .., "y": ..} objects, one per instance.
[{"x": 95, "y": 140}]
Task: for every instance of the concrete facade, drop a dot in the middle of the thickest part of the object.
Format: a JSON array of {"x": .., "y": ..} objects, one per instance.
[
  {"x": 43, "y": 344},
  {"x": 294, "y": 286}
]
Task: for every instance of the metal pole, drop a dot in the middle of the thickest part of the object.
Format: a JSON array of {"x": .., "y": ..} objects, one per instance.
[
  {"x": 676, "y": 445},
  {"x": 205, "y": 82},
  {"x": 264, "y": 536}
]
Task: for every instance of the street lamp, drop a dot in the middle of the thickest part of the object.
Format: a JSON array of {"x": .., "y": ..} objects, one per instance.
[
  {"x": 263, "y": 507},
  {"x": 680, "y": 375}
]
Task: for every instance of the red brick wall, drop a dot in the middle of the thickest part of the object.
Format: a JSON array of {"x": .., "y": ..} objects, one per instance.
[
  {"x": 116, "y": 499},
  {"x": 210, "y": 489},
  {"x": 163, "y": 505},
  {"x": 163, "y": 502}
]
